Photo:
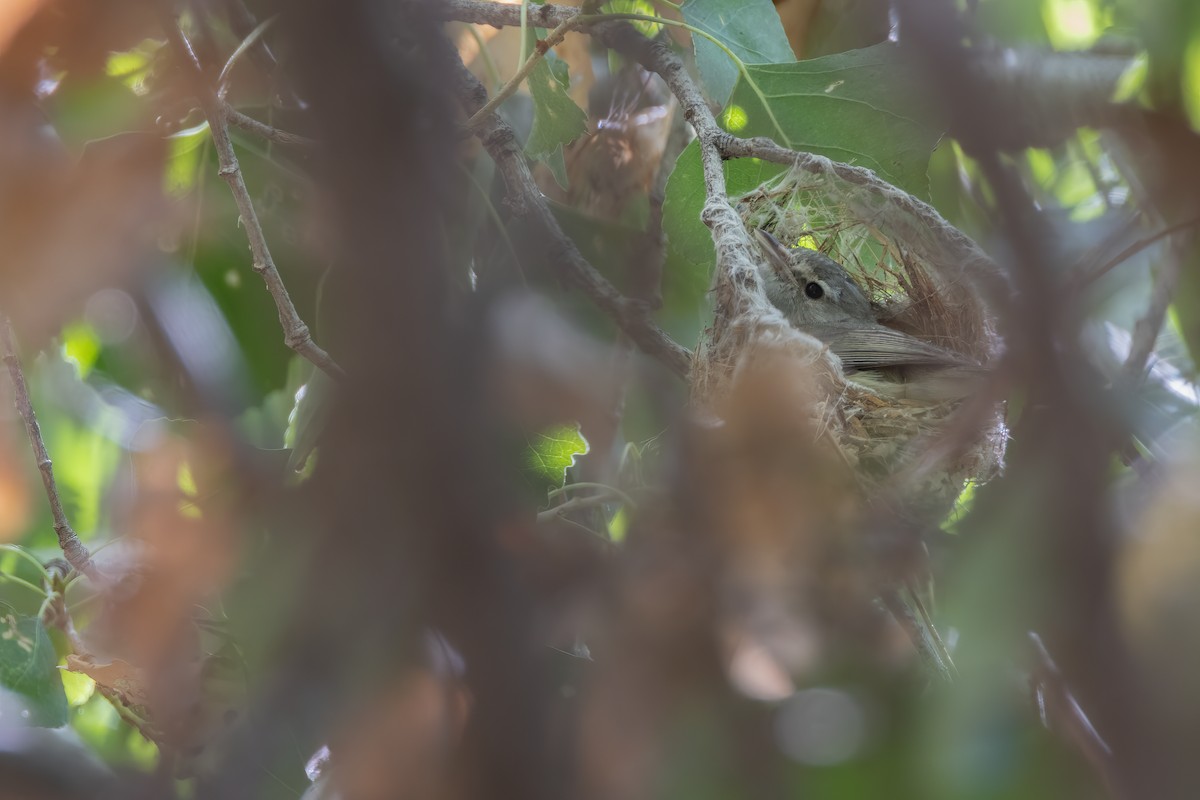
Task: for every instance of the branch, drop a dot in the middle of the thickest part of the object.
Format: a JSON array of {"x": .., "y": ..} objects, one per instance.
[
  {"x": 715, "y": 144},
  {"x": 1084, "y": 278},
  {"x": 526, "y": 199},
  {"x": 499, "y": 15},
  {"x": 296, "y": 333},
  {"x": 269, "y": 132},
  {"x": 76, "y": 552}
]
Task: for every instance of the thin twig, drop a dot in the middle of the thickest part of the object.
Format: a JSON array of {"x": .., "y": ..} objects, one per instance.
[
  {"x": 262, "y": 129},
  {"x": 1060, "y": 712},
  {"x": 1091, "y": 276},
  {"x": 296, "y": 333},
  {"x": 506, "y": 91},
  {"x": 74, "y": 550},
  {"x": 525, "y": 199},
  {"x": 250, "y": 40},
  {"x": 243, "y": 23},
  {"x": 1146, "y": 329}
]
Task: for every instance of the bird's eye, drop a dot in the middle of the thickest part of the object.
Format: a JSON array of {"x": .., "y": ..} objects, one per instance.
[{"x": 814, "y": 290}]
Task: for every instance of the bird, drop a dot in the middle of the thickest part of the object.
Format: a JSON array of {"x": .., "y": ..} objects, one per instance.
[{"x": 817, "y": 296}]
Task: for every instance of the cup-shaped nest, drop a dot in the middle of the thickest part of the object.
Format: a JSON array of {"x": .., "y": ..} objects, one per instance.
[{"x": 906, "y": 447}]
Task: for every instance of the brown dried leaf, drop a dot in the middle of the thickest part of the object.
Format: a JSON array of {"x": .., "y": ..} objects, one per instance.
[{"x": 120, "y": 677}]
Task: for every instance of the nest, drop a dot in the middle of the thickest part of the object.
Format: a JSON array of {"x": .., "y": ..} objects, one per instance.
[{"x": 913, "y": 288}]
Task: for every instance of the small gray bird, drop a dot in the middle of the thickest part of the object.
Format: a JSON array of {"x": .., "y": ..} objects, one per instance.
[{"x": 818, "y": 296}]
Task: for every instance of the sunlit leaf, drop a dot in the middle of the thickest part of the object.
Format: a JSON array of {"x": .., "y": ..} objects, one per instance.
[
  {"x": 83, "y": 453},
  {"x": 81, "y": 347},
  {"x": 1072, "y": 24},
  {"x": 1191, "y": 82},
  {"x": 132, "y": 66},
  {"x": 79, "y": 688},
  {"x": 1132, "y": 80},
  {"x": 29, "y": 672},
  {"x": 549, "y": 454},
  {"x": 749, "y": 28},
  {"x": 184, "y": 156},
  {"x": 646, "y": 28}
]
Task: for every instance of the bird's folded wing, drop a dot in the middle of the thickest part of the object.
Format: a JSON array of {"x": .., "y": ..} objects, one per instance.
[{"x": 879, "y": 347}]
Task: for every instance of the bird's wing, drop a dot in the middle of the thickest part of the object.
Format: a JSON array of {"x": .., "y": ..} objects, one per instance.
[{"x": 878, "y": 347}]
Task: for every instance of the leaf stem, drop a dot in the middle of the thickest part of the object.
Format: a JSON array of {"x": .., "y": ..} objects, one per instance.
[
  {"x": 4, "y": 576},
  {"x": 28, "y": 556}
]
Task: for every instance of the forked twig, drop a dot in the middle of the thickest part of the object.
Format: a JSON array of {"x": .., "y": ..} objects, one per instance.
[{"x": 295, "y": 332}]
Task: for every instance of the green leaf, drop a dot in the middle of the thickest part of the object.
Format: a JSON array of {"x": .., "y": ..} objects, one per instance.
[
  {"x": 862, "y": 107},
  {"x": 185, "y": 151},
  {"x": 28, "y": 671},
  {"x": 857, "y": 107},
  {"x": 309, "y": 417},
  {"x": 690, "y": 255},
  {"x": 87, "y": 108},
  {"x": 550, "y": 453},
  {"x": 266, "y": 425},
  {"x": 750, "y": 28},
  {"x": 557, "y": 121},
  {"x": 1185, "y": 311}
]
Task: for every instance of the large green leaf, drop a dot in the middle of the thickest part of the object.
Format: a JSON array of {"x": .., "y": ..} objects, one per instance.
[
  {"x": 557, "y": 120},
  {"x": 857, "y": 107},
  {"x": 750, "y": 28},
  {"x": 28, "y": 671},
  {"x": 862, "y": 107}
]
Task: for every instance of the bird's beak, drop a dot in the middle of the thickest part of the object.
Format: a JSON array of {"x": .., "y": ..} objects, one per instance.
[{"x": 777, "y": 255}]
